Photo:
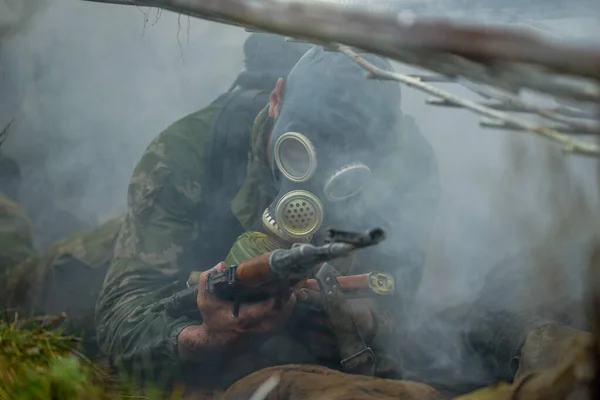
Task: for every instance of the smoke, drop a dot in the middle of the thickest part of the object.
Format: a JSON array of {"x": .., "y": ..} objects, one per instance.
[
  {"x": 512, "y": 234},
  {"x": 91, "y": 85},
  {"x": 15, "y": 15}
]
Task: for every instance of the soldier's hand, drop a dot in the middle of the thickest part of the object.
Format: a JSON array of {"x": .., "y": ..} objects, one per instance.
[{"x": 256, "y": 320}]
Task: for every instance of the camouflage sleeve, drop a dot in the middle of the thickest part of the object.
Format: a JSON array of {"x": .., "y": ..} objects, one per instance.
[{"x": 152, "y": 255}]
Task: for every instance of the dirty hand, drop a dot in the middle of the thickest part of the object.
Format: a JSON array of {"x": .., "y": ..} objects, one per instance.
[
  {"x": 310, "y": 301},
  {"x": 221, "y": 331},
  {"x": 255, "y": 319}
]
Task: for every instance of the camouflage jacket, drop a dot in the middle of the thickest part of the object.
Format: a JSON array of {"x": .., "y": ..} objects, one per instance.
[
  {"x": 154, "y": 251},
  {"x": 16, "y": 239}
]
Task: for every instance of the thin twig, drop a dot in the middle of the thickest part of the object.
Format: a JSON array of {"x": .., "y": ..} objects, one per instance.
[
  {"x": 568, "y": 144},
  {"x": 514, "y": 103},
  {"x": 568, "y": 125},
  {"x": 4, "y": 132},
  {"x": 497, "y": 124}
]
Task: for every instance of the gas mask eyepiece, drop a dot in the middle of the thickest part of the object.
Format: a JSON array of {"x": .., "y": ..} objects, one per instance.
[
  {"x": 347, "y": 182},
  {"x": 295, "y": 157}
]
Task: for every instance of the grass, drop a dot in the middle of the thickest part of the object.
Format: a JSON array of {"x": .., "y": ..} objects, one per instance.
[{"x": 39, "y": 362}]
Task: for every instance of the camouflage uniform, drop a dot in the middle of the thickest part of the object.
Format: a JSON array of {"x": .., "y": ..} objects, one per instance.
[
  {"x": 16, "y": 240},
  {"x": 67, "y": 278},
  {"x": 156, "y": 248}
]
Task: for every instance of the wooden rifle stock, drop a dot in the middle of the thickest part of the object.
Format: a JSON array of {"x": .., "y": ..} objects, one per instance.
[{"x": 255, "y": 272}]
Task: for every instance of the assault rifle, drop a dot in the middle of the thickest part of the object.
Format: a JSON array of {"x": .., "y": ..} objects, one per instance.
[{"x": 261, "y": 276}]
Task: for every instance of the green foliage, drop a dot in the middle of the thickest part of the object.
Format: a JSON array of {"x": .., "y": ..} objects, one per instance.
[{"x": 39, "y": 362}]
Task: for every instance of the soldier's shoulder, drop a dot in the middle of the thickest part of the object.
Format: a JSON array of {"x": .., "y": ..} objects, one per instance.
[
  {"x": 92, "y": 247},
  {"x": 182, "y": 143}
]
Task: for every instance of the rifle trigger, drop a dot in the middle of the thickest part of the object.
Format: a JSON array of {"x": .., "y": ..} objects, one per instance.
[{"x": 235, "y": 310}]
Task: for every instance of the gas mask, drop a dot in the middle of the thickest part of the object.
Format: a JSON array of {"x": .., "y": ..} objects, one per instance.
[{"x": 310, "y": 182}]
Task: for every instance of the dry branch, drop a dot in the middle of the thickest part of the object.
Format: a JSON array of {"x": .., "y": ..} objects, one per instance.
[
  {"x": 525, "y": 108},
  {"x": 509, "y": 60},
  {"x": 5, "y": 131},
  {"x": 391, "y": 34},
  {"x": 497, "y": 124},
  {"x": 569, "y": 144}
]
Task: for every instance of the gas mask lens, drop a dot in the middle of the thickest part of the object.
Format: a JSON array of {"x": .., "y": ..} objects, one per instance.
[
  {"x": 347, "y": 182},
  {"x": 295, "y": 156}
]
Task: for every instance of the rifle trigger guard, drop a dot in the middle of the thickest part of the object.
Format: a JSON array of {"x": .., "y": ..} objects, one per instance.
[
  {"x": 364, "y": 356},
  {"x": 235, "y": 309}
]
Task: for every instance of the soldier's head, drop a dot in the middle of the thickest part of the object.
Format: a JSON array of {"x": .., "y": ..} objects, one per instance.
[
  {"x": 330, "y": 125},
  {"x": 268, "y": 56},
  {"x": 10, "y": 177}
]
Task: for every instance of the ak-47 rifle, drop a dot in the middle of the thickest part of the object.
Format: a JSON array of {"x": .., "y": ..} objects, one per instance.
[{"x": 262, "y": 275}]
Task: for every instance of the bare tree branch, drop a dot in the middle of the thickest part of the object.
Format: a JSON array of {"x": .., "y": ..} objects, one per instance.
[
  {"x": 4, "y": 132},
  {"x": 557, "y": 115},
  {"x": 498, "y": 124},
  {"x": 513, "y": 104},
  {"x": 391, "y": 34},
  {"x": 526, "y": 108},
  {"x": 568, "y": 144},
  {"x": 509, "y": 60}
]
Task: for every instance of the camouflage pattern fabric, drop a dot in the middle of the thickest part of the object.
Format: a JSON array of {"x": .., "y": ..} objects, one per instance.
[
  {"x": 154, "y": 251},
  {"x": 153, "y": 248},
  {"x": 16, "y": 240},
  {"x": 67, "y": 278}
]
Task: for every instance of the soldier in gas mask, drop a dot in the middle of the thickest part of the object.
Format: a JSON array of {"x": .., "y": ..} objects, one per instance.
[
  {"x": 330, "y": 148},
  {"x": 67, "y": 276}
]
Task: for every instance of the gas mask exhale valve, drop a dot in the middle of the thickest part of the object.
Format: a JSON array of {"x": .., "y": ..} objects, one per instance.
[{"x": 297, "y": 211}]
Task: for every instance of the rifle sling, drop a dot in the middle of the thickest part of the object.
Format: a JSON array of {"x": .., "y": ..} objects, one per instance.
[{"x": 357, "y": 357}]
